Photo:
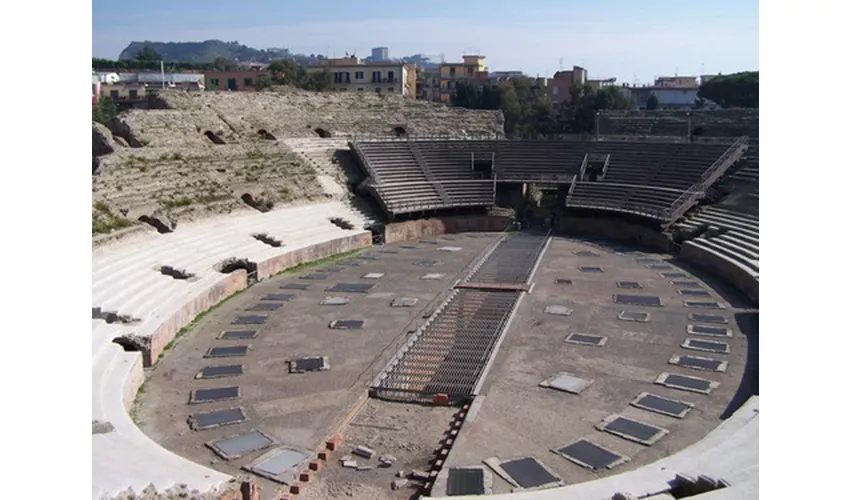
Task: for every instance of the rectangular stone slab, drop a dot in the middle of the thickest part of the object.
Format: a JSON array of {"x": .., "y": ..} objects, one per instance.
[
  {"x": 214, "y": 394},
  {"x": 295, "y": 286},
  {"x": 708, "y": 318},
  {"x": 664, "y": 406},
  {"x": 465, "y": 482},
  {"x": 698, "y": 363},
  {"x": 709, "y": 330},
  {"x": 586, "y": 339},
  {"x": 590, "y": 455},
  {"x": 346, "y": 324},
  {"x": 238, "y": 334},
  {"x": 227, "y": 351},
  {"x": 632, "y": 430},
  {"x": 265, "y": 306},
  {"x": 218, "y": 418},
  {"x": 280, "y": 465},
  {"x": 255, "y": 319},
  {"x": 282, "y": 297},
  {"x": 528, "y": 472},
  {"x": 351, "y": 287},
  {"x": 638, "y": 300},
  {"x": 638, "y": 316},
  {"x": 220, "y": 371},
  {"x": 233, "y": 447},
  {"x": 686, "y": 383}
]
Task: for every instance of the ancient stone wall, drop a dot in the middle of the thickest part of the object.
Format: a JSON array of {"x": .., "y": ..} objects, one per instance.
[
  {"x": 424, "y": 228},
  {"x": 616, "y": 229}
]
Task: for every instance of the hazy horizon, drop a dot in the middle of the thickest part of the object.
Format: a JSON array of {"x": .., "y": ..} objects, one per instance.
[{"x": 610, "y": 38}]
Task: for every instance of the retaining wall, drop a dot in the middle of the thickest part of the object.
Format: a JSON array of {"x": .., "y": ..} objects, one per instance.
[
  {"x": 414, "y": 229},
  {"x": 616, "y": 229}
]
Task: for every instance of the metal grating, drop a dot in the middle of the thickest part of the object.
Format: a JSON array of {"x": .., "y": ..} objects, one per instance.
[
  {"x": 591, "y": 455},
  {"x": 238, "y": 334},
  {"x": 586, "y": 253},
  {"x": 219, "y": 371},
  {"x": 709, "y": 330},
  {"x": 227, "y": 351},
  {"x": 314, "y": 276},
  {"x": 295, "y": 286},
  {"x": 350, "y": 287},
  {"x": 586, "y": 339},
  {"x": 265, "y": 306},
  {"x": 215, "y": 394},
  {"x": 694, "y": 292},
  {"x": 511, "y": 261},
  {"x": 631, "y": 285},
  {"x": 633, "y": 430},
  {"x": 708, "y": 318},
  {"x": 662, "y": 405},
  {"x": 427, "y": 263},
  {"x": 346, "y": 324},
  {"x": 563, "y": 281},
  {"x": 686, "y": 283},
  {"x": 450, "y": 353},
  {"x": 334, "y": 301},
  {"x": 591, "y": 269},
  {"x": 233, "y": 447},
  {"x": 637, "y": 300},
  {"x": 639, "y": 316},
  {"x": 217, "y": 418},
  {"x": 528, "y": 472},
  {"x": 699, "y": 363},
  {"x": 283, "y": 297},
  {"x": 309, "y": 364},
  {"x": 256, "y": 319},
  {"x": 465, "y": 482},
  {"x": 704, "y": 304}
]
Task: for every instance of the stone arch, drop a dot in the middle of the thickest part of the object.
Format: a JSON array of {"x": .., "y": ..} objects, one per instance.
[
  {"x": 322, "y": 133},
  {"x": 400, "y": 131},
  {"x": 266, "y": 135},
  {"x": 212, "y": 136}
]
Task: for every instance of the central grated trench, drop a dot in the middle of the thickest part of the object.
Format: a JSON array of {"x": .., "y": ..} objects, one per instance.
[{"x": 449, "y": 354}]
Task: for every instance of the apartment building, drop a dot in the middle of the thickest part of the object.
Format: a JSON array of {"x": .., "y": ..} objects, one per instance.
[
  {"x": 473, "y": 68},
  {"x": 233, "y": 80},
  {"x": 351, "y": 74},
  {"x": 561, "y": 82}
]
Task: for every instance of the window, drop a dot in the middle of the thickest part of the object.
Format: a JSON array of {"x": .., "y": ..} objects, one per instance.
[
  {"x": 390, "y": 76},
  {"x": 555, "y": 90},
  {"x": 452, "y": 70},
  {"x": 391, "y": 89},
  {"x": 113, "y": 94},
  {"x": 377, "y": 90},
  {"x": 249, "y": 82},
  {"x": 231, "y": 83},
  {"x": 359, "y": 76},
  {"x": 360, "y": 89},
  {"x": 134, "y": 94},
  {"x": 376, "y": 76},
  {"x": 469, "y": 71},
  {"x": 214, "y": 83}
]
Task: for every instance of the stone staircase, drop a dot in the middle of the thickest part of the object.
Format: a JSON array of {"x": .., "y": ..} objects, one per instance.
[{"x": 319, "y": 153}]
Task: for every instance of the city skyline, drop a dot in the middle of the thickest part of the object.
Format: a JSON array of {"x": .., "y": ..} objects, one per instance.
[{"x": 611, "y": 38}]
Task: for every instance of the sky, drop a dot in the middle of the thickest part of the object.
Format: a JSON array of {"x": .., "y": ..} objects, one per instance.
[{"x": 633, "y": 41}]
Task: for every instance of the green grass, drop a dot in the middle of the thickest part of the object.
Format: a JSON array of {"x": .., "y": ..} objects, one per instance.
[{"x": 330, "y": 259}]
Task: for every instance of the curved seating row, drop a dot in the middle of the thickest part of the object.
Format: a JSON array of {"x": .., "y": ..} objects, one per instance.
[{"x": 125, "y": 278}]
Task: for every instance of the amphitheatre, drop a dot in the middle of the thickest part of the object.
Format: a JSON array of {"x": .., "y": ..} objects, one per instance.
[{"x": 322, "y": 295}]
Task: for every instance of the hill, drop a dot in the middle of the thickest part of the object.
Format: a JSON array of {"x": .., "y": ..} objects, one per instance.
[
  {"x": 209, "y": 50},
  {"x": 205, "y": 52}
]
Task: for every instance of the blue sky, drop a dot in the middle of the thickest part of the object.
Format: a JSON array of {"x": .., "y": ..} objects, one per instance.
[{"x": 629, "y": 40}]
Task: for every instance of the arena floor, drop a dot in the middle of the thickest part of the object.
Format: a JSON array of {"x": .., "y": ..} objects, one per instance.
[{"x": 513, "y": 417}]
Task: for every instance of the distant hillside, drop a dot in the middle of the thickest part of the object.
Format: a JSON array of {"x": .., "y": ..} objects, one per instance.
[
  {"x": 204, "y": 52},
  {"x": 208, "y": 51}
]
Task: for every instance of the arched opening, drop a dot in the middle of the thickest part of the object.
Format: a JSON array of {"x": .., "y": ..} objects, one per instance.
[
  {"x": 214, "y": 138},
  {"x": 400, "y": 131},
  {"x": 257, "y": 204},
  {"x": 266, "y": 135},
  {"x": 322, "y": 133},
  {"x": 229, "y": 265},
  {"x": 128, "y": 345},
  {"x": 697, "y": 131},
  {"x": 162, "y": 226}
]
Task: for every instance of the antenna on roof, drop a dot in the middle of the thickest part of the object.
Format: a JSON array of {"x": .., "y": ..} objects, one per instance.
[{"x": 560, "y": 64}]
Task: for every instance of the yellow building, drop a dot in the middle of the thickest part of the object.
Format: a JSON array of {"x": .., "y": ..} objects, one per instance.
[
  {"x": 472, "y": 68},
  {"x": 352, "y": 74}
]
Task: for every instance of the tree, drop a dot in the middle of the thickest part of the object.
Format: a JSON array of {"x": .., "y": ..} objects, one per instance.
[
  {"x": 104, "y": 111},
  {"x": 223, "y": 64},
  {"x": 468, "y": 96},
  {"x": 147, "y": 53},
  {"x": 318, "y": 81},
  {"x": 652, "y": 102},
  {"x": 738, "y": 90},
  {"x": 578, "y": 114}
]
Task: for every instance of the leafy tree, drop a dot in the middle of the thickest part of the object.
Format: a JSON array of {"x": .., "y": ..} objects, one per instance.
[
  {"x": 318, "y": 81},
  {"x": 699, "y": 103},
  {"x": 738, "y": 90},
  {"x": 104, "y": 111},
  {"x": 468, "y": 96},
  {"x": 652, "y": 102},
  {"x": 223, "y": 64},
  {"x": 578, "y": 114},
  {"x": 147, "y": 53}
]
